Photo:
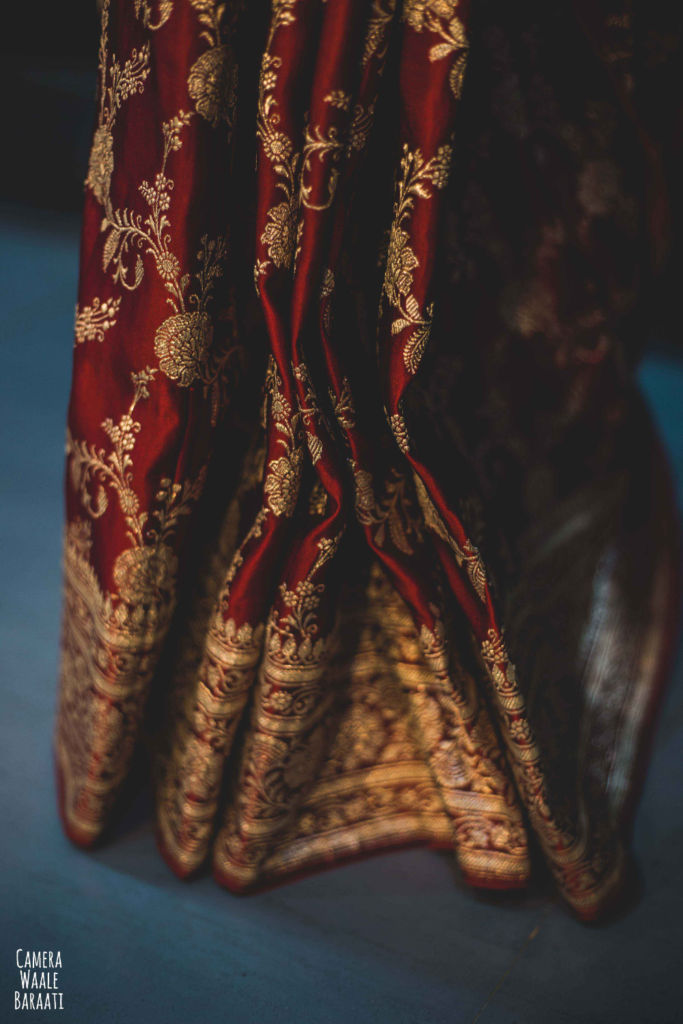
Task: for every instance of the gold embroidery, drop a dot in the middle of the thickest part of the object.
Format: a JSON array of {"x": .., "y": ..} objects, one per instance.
[
  {"x": 110, "y": 643},
  {"x": 124, "y": 83},
  {"x": 143, "y": 9},
  {"x": 284, "y": 474},
  {"x": 582, "y": 876},
  {"x": 310, "y": 412},
  {"x": 343, "y": 407},
  {"x": 288, "y": 735},
  {"x": 390, "y": 513},
  {"x": 125, "y": 228},
  {"x": 92, "y": 322},
  {"x": 317, "y": 144},
  {"x": 359, "y": 132},
  {"x": 111, "y": 640},
  {"x": 376, "y": 42},
  {"x": 374, "y": 787},
  {"x": 327, "y": 286},
  {"x": 317, "y": 502},
  {"x": 439, "y": 16},
  {"x": 400, "y": 432},
  {"x": 469, "y": 556},
  {"x": 280, "y": 234},
  {"x": 281, "y": 14},
  {"x": 326, "y": 290},
  {"x": 183, "y": 342},
  {"x": 415, "y": 177},
  {"x": 338, "y": 98},
  {"x": 87, "y": 464},
  {"x": 212, "y": 82},
  {"x": 282, "y": 649},
  {"x": 214, "y": 671}
]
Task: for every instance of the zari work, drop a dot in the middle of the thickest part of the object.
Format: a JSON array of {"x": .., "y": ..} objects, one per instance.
[{"x": 331, "y": 424}]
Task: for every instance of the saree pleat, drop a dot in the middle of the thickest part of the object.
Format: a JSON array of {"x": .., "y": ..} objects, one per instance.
[{"x": 302, "y": 587}]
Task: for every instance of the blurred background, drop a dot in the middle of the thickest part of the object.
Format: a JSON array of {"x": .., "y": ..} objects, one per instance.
[{"x": 396, "y": 938}]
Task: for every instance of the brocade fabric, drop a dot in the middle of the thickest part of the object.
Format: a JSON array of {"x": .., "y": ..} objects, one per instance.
[{"x": 358, "y": 314}]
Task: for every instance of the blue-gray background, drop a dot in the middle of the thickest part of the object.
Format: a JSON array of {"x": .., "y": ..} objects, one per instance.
[{"x": 396, "y": 939}]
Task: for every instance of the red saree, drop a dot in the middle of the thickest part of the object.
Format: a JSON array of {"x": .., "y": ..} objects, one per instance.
[{"x": 338, "y": 421}]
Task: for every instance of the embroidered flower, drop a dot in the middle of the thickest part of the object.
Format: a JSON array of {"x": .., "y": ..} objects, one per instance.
[
  {"x": 280, "y": 700},
  {"x": 282, "y": 483},
  {"x": 168, "y": 266},
  {"x": 182, "y": 344},
  {"x": 129, "y": 502},
  {"x": 280, "y": 234},
  {"x": 212, "y": 84},
  {"x": 277, "y": 146},
  {"x": 441, "y": 165},
  {"x": 101, "y": 164},
  {"x": 401, "y": 261},
  {"x": 268, "y": 81},
  {"x": 145, "y": 574},
  {"x": 415, "y": 12}
]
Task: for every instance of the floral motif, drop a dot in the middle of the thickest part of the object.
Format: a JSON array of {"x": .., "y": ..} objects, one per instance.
[
  {"x": 92, "y": 322},
  {"x": 101, "y": 164},
  {"x": 143, "y": 10},
  {"x": 280, "y": 234},
  {"x": 401, "y": 709},
  {"x": 183, "y": 341},
  {"x": 439, "y": 16},
  {"x": 115, "y": 470},
  {"x": 392, "y": 512},
  {"x": 359, "y": 131},
  {"x": 284, "y": 474},
  {"x": 212, "y": 82},
  {"x": 317, "y": 502},
  {"x": 400, "y": 432},
  {"x": 401, "y": 261},
  {"x": 145, "y": 574},
  {"x": 338, "y": 98},
  {"x": 123, "y": 83},
  {"x": 376, "y": 39},
  {"x": 282, "y": 484},
  {"x": 111, "y": 641},
  {"x": 526, "y": 756},
  {"x": 283, "y": 752},
  {"x": 182, "y": 344},
  {"x": 468, "y": 555},
  {"x": 343, "y": 407},
  {"x": 317, "y": 143},
  {"x": 415, "y": 178}
]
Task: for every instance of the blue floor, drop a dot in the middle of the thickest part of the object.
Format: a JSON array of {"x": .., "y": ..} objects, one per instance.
[{"x": 392, "y": 940}]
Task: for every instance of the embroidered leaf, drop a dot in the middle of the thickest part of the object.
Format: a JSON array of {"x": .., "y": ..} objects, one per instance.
[
  {"x": 440, "y": 50},
  {"x": 398, "y": 326},
  {"x": 412, "y": 307},
  {"x": 457, "y": 75},
  {"x": 110, "y": 247},
  {"x": 139, "y": 271},
  {"x": 398, "y": 534},
  {"x": 457, "y": 32}
]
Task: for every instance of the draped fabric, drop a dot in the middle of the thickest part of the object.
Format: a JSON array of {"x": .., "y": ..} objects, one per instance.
[{"x": 360, "y": 302}]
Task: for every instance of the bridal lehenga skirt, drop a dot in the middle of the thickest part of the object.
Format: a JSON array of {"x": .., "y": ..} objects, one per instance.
[{"x": 370, "y": 540}]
